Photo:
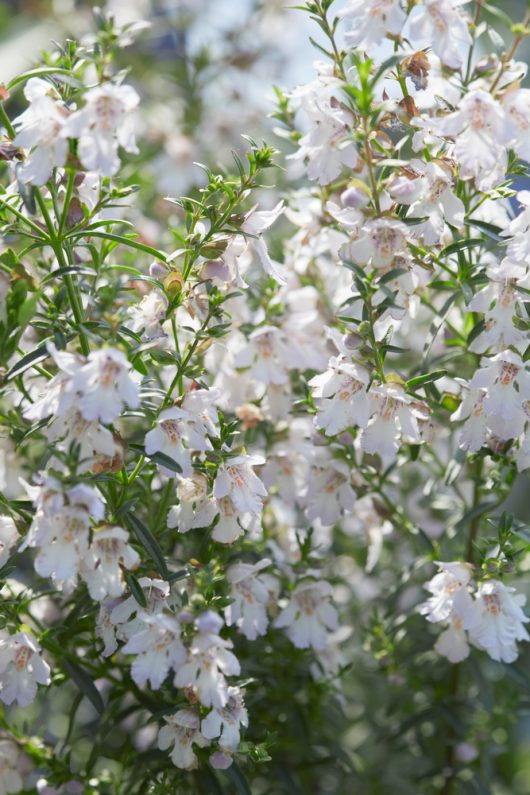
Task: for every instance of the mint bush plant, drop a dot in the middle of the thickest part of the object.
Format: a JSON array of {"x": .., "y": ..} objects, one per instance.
[{"x": 255, "y": 529}]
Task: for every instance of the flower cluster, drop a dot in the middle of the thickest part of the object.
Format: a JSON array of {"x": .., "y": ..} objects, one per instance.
[{"x": 219, "y": 458}]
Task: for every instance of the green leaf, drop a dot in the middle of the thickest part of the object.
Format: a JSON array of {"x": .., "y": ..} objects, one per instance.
[
  {"x": 74, "y": 270},
  {"x": 490, "y": 230},
  {"x": 392, "y": 274},
  {"x": 135, "y": 588},
  {"x": 437, "y": 325},
  {"x": 461, "y": 245},
  {"x": 428, "y": 378},
  {"x": 149, "y": 543},
  {"x": 45, "y": 70},
  {"x": 84, "y": 683},
  {"x": 27, "y": 310},
  {"x": 28, "y": 360},
  {"x": 165, "y": 461},
  {"x": 9, "y": 259},
  {"x": 125, "y": 241},
  {"x": 475, "y": 512}
]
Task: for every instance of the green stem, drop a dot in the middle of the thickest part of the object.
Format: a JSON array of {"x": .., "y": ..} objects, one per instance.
[
  {"x": 511, "y": 52},
  {"x": 6, "y": 121},
  {"x": 370, "y": 167},
  {"x": 71, "y": 288},
  {"x": 475, "y": 523}
]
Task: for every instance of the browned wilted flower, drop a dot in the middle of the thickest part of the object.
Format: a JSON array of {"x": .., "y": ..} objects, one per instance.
[{"x": 417, "y": 67}]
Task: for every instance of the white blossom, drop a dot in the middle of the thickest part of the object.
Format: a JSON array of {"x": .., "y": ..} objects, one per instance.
[
  {"x": 372, "y": 21},
  {"x": 394, "y": 419},
  {"x": 507, "y": 385},
  {"x": 105, "y": 385},
  {"x": 40, "y": 129},
  {"x": 309, "y": 616},
  {"x": 237, "y": 480},
  {"x": 449, "y": 588},
  {"x": 329, "y": 491},
  {"x": 342, "y": 396},
  {"x": 102, "y": 125},
  {"x": 21, "y": 669},
  {"x": 147, "y": 316},
  {"x": 225, "y": 723},
  {"x": 10, "y": 779},
  {"x": 251, "y": 592},
  {"x": 102, "y": 565},
  {"x": 158, "y": 648},
  {"x": 501, "y": 621},
  {"x": 481, "y": 133},
  {"x": 209, "y": 662},
  {"x": 181, "y": 732},
  {"x": 440, "y": 22},
  {"x": 8, "y": 538}
]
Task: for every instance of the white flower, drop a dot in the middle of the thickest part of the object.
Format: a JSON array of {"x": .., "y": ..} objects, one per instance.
[
  {"x": 265, "y": 354},
  {"x": 105, "y": 384},
  {"x": 8, "y": 538},
  {"x": 522, "y": 453},
  {"x": 200, "y": 404},
  {"x": 39, "y": 129},
  {"x": 58, "y": 397},
  {"x": 182, "y": 731},
  {"x": 147, "y": 316},
  {"x": 452, "y": 643},
  {"x": 427, "y": 188},
  {"x": 158, "y": 647},
  {"x": 195, "y": 508},
  {"x": 501, "y": 621},
  {"x": 474, "y": 432},
  {"x": 168, "y": 437},
  {"x": 327, "y": 147},
  {"x": 395, "y": 418},
  {"x": 181, "y": 430},
  {"x": 237, "y": 480},
  {"x": 230, "y": 522},
  {"x": 374, "y": 527},
  {"x": 444, "y": 27},
  {"x": 449, "y": 589},
  {"x": 102, "y": 566},
  {"x": 240, "y": 247},
  {"x": 60, "y": 529},
  {"x": 451, "y": 603},
  {"x": 225, "y": 723},
  {"x": 251, "y": 593},
  {"x": 516, "y": 105},
  {"x": 309, "y": 615},
  {"x": 329, "y": 492},
  {"x": 120, "y": 619},
  {"x": 93, "y": 438},
  {"x": 500, "y": 300},
  {"x": 507, "y": 385},
  {"x": 380, "y": 241},
  {"x": 481, "y": 133},
  {"x": 209, "y": 661},
  {"x": 103, "y": 124},
  {"x": 10, "y": 778},
  {"x": 519, "y": 246},
  {"x": 21, "y": 669},
  {"x": 372, "y": 20},
  {"x": 342, "y": 397}
]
